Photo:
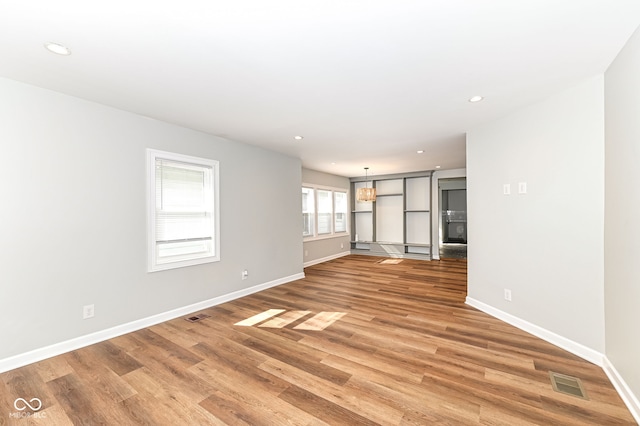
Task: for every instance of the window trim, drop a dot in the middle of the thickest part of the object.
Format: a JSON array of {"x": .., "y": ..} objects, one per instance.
[
  {"x": 331, "y": 220},
  {"x": 312, "y": 213},
  {"x": 346, "y": 212},
  {"x": 152, "y": 156},
  {"x": 333, "y": 233}
]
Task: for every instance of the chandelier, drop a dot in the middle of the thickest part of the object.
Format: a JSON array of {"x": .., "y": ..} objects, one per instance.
[{"x": 366, "y": 193}]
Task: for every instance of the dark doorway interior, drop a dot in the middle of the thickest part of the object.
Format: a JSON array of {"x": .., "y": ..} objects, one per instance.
[{"x": 454, "y": 216}]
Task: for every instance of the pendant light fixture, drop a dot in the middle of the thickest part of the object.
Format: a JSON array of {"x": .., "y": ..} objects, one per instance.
[{"x": 366, "y": 193}]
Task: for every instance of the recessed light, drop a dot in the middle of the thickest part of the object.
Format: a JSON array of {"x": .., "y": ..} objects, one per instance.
[
  {"x": 298, "y": 138},
  {"x": 420, "y": 151},
  {"x": 333, "y": 163},
  {"x": 437, "y": 167},
  {"x": 58, "y": 49},
  {"x": 476, "y": 99}
]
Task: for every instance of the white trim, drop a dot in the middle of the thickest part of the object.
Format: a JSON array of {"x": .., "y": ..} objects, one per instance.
[
  {"x": 326, "y": 259},
  {"x": 325, "y": 187},
  {"x": 551, "y": 337},
  {"x": 39, "y": 354},
  {"x": 320, "y": 237},
  {"x": 206, "y": 257},
  {"x": 623, "y": 389},
  {"x": 333, "y": 234}
]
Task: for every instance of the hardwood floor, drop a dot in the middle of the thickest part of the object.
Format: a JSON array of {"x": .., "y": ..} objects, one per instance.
[{"x": 388, "y": 344}]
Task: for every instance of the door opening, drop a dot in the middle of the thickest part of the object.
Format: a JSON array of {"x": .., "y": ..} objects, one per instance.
[{"x": 453, "y": 218}]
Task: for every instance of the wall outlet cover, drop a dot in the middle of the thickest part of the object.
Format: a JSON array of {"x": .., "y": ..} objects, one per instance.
[{"x": 88, "y": 311}]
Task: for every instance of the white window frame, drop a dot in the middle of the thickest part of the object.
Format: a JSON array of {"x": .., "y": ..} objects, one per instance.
[
  {"x": 333, "y": 233},
  {"x": 329, "y": 202},
  {"x": 208, "y": 256},
  {"x": 311, "y": 211},
  {"x": 335, "y": 212}
]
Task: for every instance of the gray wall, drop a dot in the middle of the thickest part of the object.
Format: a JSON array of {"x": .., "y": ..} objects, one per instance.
[
  {"x": 316, "y": 251},
  {"x": 622, "y": 213},
  {"x": 73, "y": 218},
  {"x": 324, "y": 179},
  {"x": 545, "y": 246}
]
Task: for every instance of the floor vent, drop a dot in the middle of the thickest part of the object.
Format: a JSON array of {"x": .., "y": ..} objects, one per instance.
[
  {"x": 196, "y": 318},
  {"x": 568, "y": 385}
]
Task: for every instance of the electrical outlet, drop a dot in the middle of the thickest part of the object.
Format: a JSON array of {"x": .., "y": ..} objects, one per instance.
[
  {"x": 506, "y": 189},
  {"x": 245, "y": 274},
  {"x": 507, "y": 294},
  {"x": 88, "y": 311},
  {"x": 341, "y": 245}
]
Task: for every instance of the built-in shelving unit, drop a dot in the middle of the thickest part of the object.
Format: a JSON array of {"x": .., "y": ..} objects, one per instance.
[{"x": 398, "y": 223}]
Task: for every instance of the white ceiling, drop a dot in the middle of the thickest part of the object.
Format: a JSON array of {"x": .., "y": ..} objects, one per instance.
[{"x": 366, "y": 82}]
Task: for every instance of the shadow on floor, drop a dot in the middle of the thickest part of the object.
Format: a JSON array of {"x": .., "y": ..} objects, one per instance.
[{"x": 453, "y": 251}]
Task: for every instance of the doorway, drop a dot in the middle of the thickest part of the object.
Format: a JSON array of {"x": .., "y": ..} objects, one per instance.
[{"x": 453, "y": 218}]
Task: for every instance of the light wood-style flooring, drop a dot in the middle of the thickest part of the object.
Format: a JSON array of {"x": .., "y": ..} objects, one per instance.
[{"x": 357, "y": 342}]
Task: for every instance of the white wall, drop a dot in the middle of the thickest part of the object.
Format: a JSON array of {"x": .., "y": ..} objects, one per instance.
[
  {"x": 316, "y": 251},
  {"x": 545, "y": 246},
  {"x": 73, "y": 222},
  {"x": 622, "y": 214}
]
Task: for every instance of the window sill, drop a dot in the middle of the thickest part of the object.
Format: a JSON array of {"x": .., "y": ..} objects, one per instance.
[{"x": 325, "y": 237}]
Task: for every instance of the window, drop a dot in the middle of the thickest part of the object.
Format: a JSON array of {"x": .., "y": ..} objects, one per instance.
[
  {"x": 324, "y": 212},
  {"x": 183, "y": 210},
  {"x": 340, "y": 211},
  {"x": 308, "y": 211},
  {"x": 325, "y": 208}
]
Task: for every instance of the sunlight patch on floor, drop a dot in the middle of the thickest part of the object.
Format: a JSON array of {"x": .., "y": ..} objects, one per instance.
[
  {"x": 320, "y": 321},
  {"x": 390, "y": 261},
  {"x": 273, "y": 319},
  {"x": 285, "y": 319},
  {"x": 260, "y": 317}
]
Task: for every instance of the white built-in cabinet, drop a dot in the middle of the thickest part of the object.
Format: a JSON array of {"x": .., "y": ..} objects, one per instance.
[{"x": 398, "y": 223}]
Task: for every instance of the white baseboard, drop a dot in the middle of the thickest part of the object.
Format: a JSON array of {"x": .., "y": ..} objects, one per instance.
[
  {"x": 551, "y": 337},
  {"x": 99, "y": 336},
  {"x": 326, "y": 259},
  {"x": 625, "y": 392},
  {"x": 623, "y": 389}
]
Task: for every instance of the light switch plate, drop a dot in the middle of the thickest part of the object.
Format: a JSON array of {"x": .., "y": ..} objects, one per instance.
[{"x": 522, "y": 187}]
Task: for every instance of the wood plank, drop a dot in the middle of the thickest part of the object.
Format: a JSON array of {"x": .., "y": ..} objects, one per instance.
[
  {"x": 53, "y": 368},
  {"x": 247, "y": 402},
  {"x": 302, "y": 358},
  {"x": 320, "y": 321},
  {"x": 323, "y": 409},
  {"x": 165, "y": 403},
  {"x": 408, "y": 351},
  {"x": 356, "y": 402},
  {"x": 285, "y": 319},
  {"x": 259, "y": 317},
  {"x": 79, "y": 403},
  {"x": 89, "y": 367}
]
